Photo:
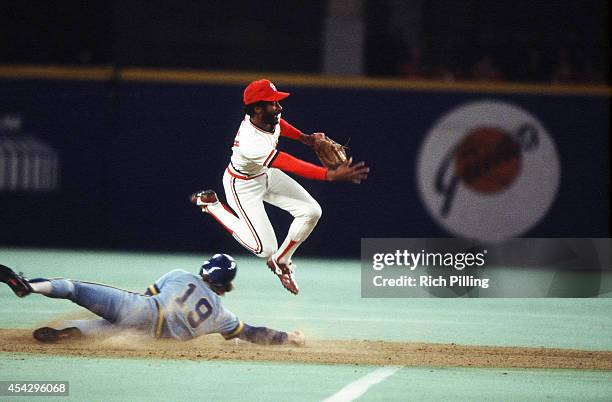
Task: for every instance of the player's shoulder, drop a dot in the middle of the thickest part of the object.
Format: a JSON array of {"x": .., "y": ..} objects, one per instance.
[
  {"x": 251, "y": 130},
  {"x": 246, "y": 126},
  {"x": 181, "y": 273}
]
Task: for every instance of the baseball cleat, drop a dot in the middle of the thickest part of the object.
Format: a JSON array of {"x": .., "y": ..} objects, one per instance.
[
  {"x": 285, "y": 274},
  {"x": 50, "y": 335},
  {"x": 16, "y": 282},
  {"x": 204, "y": 199}
]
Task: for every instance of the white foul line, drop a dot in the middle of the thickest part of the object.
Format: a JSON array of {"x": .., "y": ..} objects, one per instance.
[{"x": 359, "y": 387}]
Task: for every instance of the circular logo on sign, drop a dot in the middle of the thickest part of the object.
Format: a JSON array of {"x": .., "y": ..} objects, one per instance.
[{"x": 488, "y": 170}]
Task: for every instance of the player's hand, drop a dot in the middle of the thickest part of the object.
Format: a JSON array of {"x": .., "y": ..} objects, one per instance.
[
  {"x": 345, "y": 172},
  {"x": 296, "y": 338}
]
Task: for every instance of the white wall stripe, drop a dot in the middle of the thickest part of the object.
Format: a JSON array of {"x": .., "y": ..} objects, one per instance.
[{"x": 359, "y": 387}]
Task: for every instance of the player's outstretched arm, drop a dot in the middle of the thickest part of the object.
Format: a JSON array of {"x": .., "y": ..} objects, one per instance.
[
  {"x": 345, "y": 172},
  {"x": 291, "y": 164},
  {"x": 287, "y": 130},
  {"x": 268, "y": 336}
]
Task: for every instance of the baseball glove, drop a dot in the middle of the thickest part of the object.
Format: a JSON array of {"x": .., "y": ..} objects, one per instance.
[{"x": 330, "y": 153}]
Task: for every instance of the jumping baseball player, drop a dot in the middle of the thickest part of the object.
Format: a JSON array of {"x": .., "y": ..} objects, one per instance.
[
  {"x": 256, "y": 174},
  {"x": 178, "y": 305}
]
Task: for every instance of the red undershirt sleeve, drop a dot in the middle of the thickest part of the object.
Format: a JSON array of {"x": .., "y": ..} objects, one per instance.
[
  {"x": 291, "y": 164},
  {"x": 287, "y": 130}
]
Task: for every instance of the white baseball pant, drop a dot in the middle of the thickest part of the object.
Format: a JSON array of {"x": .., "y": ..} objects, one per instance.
[{"x": 250, "y": 224}]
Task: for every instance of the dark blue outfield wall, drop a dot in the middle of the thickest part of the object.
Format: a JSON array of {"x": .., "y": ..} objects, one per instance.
[{"x": 131, "y": 153}]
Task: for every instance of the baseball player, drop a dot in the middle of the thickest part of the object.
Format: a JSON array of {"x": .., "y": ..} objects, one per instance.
[
  {"x": 256, "y": 174},
  {"x": 178, "y": 305}
]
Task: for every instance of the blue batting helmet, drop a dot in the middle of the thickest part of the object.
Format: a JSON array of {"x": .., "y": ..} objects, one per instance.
[{"x": 219, "y": 270}]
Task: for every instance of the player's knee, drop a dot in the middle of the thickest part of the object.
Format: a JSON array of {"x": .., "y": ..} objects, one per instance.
[
  {"x": 62, "y": 289},
  {"x": 267, "y": 250},
  {"x": 314, "y": 212}
]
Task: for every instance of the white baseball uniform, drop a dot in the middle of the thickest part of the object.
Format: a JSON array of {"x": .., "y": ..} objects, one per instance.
[{"x": 248, "y": 182}]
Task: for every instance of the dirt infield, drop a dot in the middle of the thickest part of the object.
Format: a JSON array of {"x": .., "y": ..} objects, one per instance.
[{"x": 213, "y": 347}]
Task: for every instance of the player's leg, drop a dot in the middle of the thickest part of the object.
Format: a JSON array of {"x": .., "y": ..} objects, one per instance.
[
  {"x": 249, "y": 225},
  {"x": 247, "y": 222},
  {"x": 288, "y": 194},
  {"x": 120, "y": 307}
]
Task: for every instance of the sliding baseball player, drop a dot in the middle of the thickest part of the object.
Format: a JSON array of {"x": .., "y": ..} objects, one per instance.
[{"x": 179, "y": 305}]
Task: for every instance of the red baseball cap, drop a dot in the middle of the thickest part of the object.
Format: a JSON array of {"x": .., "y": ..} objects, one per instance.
[{"x": 262, "y": 90}]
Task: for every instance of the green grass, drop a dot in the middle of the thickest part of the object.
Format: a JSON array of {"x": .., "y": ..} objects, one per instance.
[{"x": 328, "y": 307}]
